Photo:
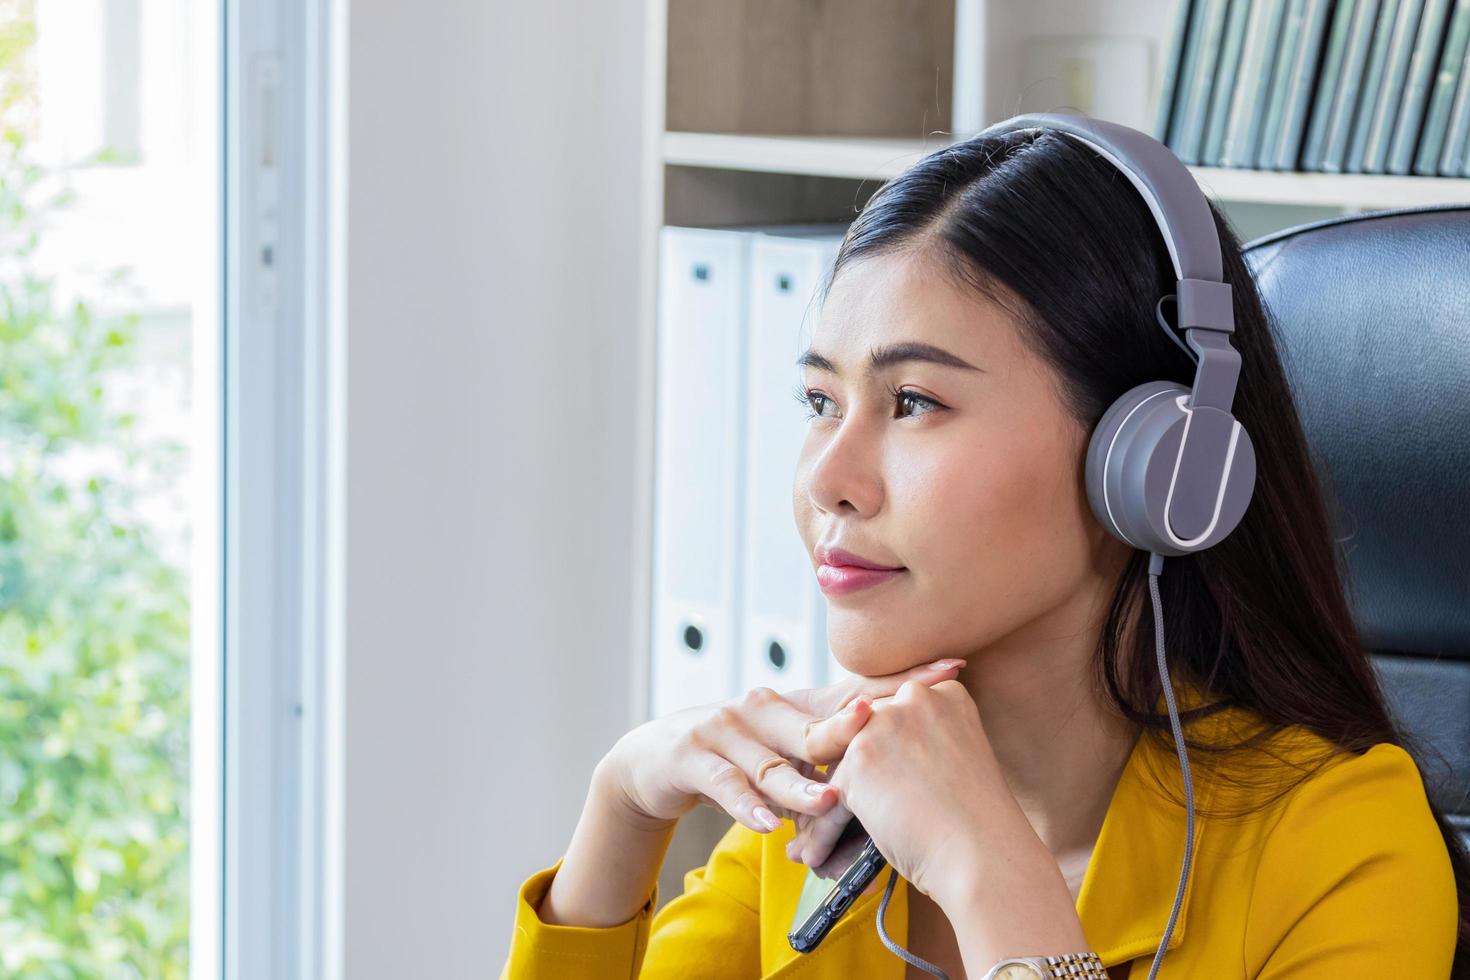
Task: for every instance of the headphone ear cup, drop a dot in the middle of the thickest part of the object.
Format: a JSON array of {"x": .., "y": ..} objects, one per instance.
[
  {"x": 1104, "y": 468},
  {"x": 1130, "y": 464}
]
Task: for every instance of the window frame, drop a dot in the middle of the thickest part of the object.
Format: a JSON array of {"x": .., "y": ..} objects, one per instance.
[{"x": 269, "y": 861}]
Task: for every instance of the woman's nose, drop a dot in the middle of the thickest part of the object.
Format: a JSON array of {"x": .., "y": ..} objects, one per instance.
[{"x": 844, "y": 471}]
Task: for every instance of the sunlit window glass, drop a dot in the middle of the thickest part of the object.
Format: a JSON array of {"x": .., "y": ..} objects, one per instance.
[{"x": 97, "y": 312}]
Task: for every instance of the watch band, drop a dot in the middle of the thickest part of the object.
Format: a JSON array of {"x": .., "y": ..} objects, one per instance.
[{"x": 1084, "y": 966}]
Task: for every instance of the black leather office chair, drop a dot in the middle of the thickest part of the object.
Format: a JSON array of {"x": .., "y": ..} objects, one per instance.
[{"x": 1373, "y": 312}]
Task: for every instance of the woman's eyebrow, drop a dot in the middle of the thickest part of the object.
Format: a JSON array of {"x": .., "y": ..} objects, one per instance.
[{"x": 888, "y": 355}]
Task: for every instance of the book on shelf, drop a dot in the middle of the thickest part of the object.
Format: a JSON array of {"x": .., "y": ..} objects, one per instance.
[
  {"x": 1446, "y": 78},
  {"x": 1286, "y": 56},
  {"x": 1248, "y": 101},
  {"x": 1375, "y": 81},
  {"x": 1300, "y": 83},
  {"x": 1225, "y": 78},
  {"x": 1453, "y": 158},
  {"x": 1420, "y": 76},
  {"x": 1200, "y": 78},
  {"x": 1335, "y": 61},
  {"x": 1345, "y": 99},
  {"x": 1174, "y": 54}
]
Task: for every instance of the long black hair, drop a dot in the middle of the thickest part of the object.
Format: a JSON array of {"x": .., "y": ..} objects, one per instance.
[{"x": 1040, "y": 218}]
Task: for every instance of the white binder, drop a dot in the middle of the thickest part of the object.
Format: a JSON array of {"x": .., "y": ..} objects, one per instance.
[
  {"x": 701, "y": 306},
  {"x": 783, "y": 634},
  {"x": 700, "y": 459}
]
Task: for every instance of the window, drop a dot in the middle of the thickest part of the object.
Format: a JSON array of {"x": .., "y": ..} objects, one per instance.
[
  {"x": 169, "y": 447},
  {"x": 105, "y": 302}
]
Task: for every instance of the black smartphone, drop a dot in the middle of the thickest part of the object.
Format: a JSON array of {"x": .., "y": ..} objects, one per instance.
[{"x": 823, "y": 897}]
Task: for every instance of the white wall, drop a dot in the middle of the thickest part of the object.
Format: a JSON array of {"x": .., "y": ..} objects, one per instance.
[{"x": 492, "y": 292}]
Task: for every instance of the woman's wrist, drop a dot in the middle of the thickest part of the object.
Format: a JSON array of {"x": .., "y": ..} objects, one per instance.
[
  {"x": 611, "y": 864},
  {"x": 1014, "y": 903},
  {"x": 608, "y": 785}
]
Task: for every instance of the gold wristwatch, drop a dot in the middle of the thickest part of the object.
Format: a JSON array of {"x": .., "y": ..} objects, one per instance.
[{"x": 1084, "y": 966}]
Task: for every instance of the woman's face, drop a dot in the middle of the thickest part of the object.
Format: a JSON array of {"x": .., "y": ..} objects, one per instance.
[{"x": 977, "y": 492}]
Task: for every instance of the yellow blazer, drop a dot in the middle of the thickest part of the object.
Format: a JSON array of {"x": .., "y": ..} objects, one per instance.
[{"x": 1347, "y": 875}]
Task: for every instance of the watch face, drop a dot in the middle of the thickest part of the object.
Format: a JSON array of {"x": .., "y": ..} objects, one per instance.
[{"x": 1017, "y": 971}]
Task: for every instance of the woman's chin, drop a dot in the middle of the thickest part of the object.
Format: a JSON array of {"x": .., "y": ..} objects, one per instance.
[{"x": 871, "y": 664}]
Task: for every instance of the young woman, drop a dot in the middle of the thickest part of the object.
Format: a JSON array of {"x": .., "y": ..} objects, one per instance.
[{"x": 1005, "y": 745}]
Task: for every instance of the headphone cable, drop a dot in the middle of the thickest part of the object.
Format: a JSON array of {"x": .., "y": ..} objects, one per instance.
[
  {"x": 913, "y": 958},
  {"x": 1155, "y": 566}
]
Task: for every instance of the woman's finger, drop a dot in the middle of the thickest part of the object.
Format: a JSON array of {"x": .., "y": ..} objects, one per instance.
[
  {"x": 887, "y": 685},
  {"x": 775, "y": 778},
  {"x": 775, "y": 721},
  {"x": 724, "y": 782},
  {"x": 818, "y": 834},
  {"x": 825, "y": 701},
  {"x": 826, "y": 741}
]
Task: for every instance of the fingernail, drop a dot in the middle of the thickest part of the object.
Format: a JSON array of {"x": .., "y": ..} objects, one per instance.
[
  {"x": 815, "y": 789},
  {"x": 946, "y": 664},
  {"x": 766, "y": 818}
]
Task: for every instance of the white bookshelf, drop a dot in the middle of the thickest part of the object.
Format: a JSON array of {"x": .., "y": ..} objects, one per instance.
[{"x": 781, "y": 111}]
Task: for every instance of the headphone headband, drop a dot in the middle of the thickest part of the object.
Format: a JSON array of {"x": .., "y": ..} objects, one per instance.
[
  {"x": 1203, "y": 300},
  {"x": 1166, "y": 184}
]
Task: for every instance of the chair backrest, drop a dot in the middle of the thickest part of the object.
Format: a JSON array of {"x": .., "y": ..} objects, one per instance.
[{"x": 1373, "y": 315}]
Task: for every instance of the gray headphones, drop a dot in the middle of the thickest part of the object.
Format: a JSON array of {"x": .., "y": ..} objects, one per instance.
[{"x": 1169, "y": 469}]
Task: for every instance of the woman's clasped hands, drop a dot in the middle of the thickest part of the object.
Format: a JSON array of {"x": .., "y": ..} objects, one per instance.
[
  {"x": 921, "y": 776},
  {"x": 905, "y": 753},
  {"x": 754, "y": 756}
]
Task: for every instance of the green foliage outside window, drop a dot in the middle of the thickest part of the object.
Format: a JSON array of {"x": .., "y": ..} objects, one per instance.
[{"x": 94, "y": 618}]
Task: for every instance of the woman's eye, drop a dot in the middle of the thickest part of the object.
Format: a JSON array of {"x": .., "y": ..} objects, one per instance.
[
  {"x": 902, "y": 395},
  {"x": 816, "y": 402}
]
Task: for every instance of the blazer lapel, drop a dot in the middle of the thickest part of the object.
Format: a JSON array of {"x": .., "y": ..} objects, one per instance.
[{"x": 1132, "y": 878}]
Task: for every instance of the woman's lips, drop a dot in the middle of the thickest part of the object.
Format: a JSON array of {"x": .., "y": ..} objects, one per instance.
[{"x": 843, "y": 579}]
